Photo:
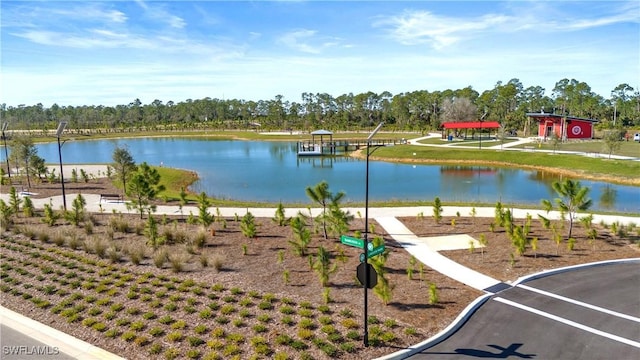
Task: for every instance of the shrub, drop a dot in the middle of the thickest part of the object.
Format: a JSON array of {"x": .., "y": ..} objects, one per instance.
[
  {"x": 231, "y": 350},
  {"x": 171, "y": 354},
  {"x": 175, "y": 336},
  {"x": 193, "y": 354},
  {"x": 128, "y": 336},
  {"x": 200, "y": 329},
  {"x": 166, "y": 320},
  {"x": 155, "y": 349},
  {"x": 206, "y": 314},
  {"x": 141, "y": 340},
  {"x": 195, "y": 341},
  {"x": 265, "y": 318},
  {"x": 259, "y": 328},
  {"x": 353, "y": 335},
  {"x": 177, "y": 261},
  {"x": 180, "y": 324},
  {"x": 305, "y": 334},
  {"x": 350, "y": 323},
  {"x": 411, "y": 331},
  {"x": 160, "y": 257},
  {"x": 156, "y": 331},
  {"x": 348, "y": 347},
  {"x": 306, "y": 324},
  {"x": 137, "y": 326},
  {"x": 288, "y": 320},
  {"x": 111, "y": 333}
]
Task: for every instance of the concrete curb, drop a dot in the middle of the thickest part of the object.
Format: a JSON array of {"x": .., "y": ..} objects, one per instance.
[
  {"x": 65, "y": 343},
  {"x": 448, "y": 331}
]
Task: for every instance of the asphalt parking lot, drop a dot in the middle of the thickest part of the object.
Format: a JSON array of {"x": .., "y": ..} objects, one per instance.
[{"x": 587, "y": 313}]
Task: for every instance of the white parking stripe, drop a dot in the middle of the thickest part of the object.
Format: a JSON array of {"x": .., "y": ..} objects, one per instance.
[
  {"x": 580, "y": 303},
  {"x": 569, "y": 322}
]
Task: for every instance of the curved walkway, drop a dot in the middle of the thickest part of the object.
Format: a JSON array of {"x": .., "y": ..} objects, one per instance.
[{"x": 511, "y": 146}]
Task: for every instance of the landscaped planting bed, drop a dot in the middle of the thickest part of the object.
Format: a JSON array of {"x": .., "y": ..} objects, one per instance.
[{"x": 239, "y": 308}]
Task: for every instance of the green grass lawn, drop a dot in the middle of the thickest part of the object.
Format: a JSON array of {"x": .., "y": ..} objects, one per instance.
[
  {"x": 623, "y": 169},
  {"x": 627, "y": 148}
]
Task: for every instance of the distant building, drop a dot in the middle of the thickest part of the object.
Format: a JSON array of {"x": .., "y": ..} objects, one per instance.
[{"x": 565, "y": 127}]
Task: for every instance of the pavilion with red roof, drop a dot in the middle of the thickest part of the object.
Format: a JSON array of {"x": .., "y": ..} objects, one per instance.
[{"x": 482, "y": 127}]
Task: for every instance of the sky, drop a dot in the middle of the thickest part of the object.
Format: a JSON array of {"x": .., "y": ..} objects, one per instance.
[{"x": 111, "y": 53}]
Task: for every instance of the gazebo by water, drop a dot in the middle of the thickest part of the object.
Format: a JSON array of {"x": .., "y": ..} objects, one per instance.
[{"x": 315, "y": 147}]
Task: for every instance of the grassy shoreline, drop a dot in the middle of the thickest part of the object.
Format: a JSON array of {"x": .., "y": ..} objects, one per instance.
[{"x": 623, "y": 172}]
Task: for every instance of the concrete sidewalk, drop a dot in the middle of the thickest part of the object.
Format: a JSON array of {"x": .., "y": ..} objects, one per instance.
[
  {"x": 55, "y": 339},
  {"x": 425, "y": 250}
]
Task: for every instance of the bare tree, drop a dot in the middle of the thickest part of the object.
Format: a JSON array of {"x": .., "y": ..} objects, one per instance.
[{"x": 458, "y": 109}]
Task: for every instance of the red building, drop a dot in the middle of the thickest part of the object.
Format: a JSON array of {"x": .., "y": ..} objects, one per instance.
[{"x": 565, "y": 127}]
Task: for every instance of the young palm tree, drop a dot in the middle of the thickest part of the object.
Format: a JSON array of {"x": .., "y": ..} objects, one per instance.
[
  {"x": 323, "y": 267},
  {"x": 321, "y": 195},
  {"x": 572, "y": 198}
]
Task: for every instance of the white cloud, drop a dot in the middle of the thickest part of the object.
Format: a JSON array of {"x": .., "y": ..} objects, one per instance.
[
  {"x": 308, "y": 41},
  {"x": 414, "y": 27},
  {"x": 419, "y": 27},
  {"x": 159, "y": 13},
  {"x": 297, "y": 40}
]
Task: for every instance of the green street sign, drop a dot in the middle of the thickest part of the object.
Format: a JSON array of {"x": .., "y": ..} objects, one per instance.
[
  {"x": 376, "y": 251},
  {"x": 351, "y": 241}
]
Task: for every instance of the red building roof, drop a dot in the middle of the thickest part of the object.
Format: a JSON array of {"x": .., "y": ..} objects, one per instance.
[
  {"x": 472, "y": 125},
  {"x": 556, "y": 117}
]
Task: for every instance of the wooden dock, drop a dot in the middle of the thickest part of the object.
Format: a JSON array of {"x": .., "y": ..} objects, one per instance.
[{"x": 333, "y": 147}]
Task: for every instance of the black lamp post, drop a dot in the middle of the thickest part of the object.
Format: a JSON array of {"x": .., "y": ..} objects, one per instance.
[
  {"x": 481, "y": 133},
  {"x": 61, "y": 127},
  {"x": 6, "y": 151},
  {"x": 366, "y": 233}
]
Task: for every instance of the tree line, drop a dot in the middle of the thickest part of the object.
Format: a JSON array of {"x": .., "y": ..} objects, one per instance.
[{"x": 423, "y": 110}]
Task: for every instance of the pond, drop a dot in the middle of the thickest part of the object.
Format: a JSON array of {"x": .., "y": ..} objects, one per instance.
[{"x": 271, "y": 171}]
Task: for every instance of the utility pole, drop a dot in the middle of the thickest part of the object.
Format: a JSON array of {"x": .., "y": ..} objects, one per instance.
[
  {"x": 366, "y": 236},
  {"x": 61, "y": 127}
]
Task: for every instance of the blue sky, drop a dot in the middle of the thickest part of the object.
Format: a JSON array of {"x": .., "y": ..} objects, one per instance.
[{"x": 110, "y": 53}]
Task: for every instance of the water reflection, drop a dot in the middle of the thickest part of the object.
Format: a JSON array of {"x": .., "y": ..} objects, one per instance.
[
  {"x": 608, "y": 197},
  {"x": 271, "y": 171}
]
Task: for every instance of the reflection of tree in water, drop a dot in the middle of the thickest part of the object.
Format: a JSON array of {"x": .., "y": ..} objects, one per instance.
[
  {"x": 463, "y": 180},
  {"x": 465, "y": 170},
  {"x": 546, "y": 178},
  {"x": 608, "y": 197},
  {"x": 279, "y": 151}
]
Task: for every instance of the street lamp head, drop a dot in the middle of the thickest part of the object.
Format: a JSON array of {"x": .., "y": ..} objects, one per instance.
[
  {"x": 373, "y": 133},
  {"x": 61, "y": 126}
]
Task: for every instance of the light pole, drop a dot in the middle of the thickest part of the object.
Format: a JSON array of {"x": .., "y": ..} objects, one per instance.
[
  {"x": 6, "y": 151},
  {"x": 61, "y": 127},
  {"x": 481, "y": 133},
  {"x": 481, "y": 120},
  {"x": 366, "y": 235}
]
